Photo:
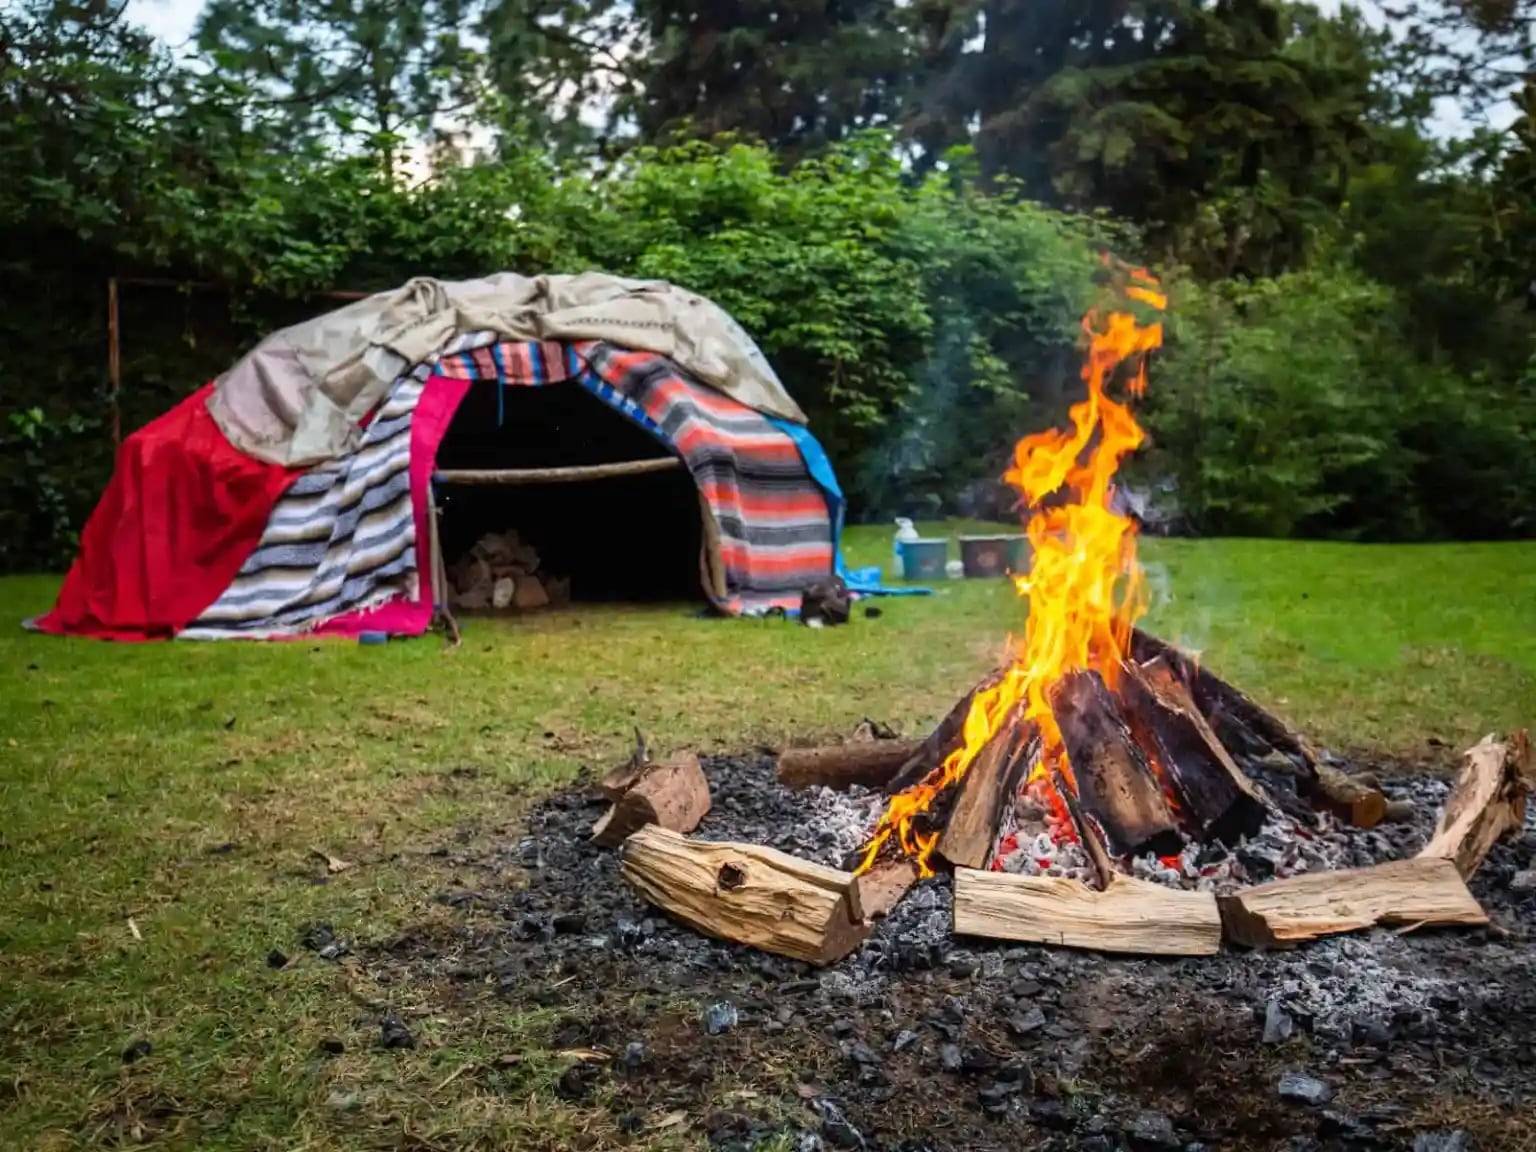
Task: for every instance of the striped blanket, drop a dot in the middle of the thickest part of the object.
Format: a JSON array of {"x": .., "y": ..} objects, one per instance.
[
  {"x": 343, "y": 537},
  {"x": 774, "y": 532}
]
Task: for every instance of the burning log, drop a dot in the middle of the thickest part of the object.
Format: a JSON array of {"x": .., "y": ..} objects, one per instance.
[
  {"x": 1115, "y": 783},
  {"x": 1243, "y": 724},
  {"x": 1486, "y": 804},
  {"x": 942, "y": 741},
  {"x": 1213, "y": 792},
  {"x": 749, "y": 894},
  {"x": 871, "y": 763},
  {"x": 1425, "y": 891},
  {"x": 990, "y": 782},
  {"x": 1131, "y": 916},
  {"x": 673, "y": 793}
]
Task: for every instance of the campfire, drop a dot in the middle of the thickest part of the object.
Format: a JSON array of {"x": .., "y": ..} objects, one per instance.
[{"x": 1098, "y": 789}]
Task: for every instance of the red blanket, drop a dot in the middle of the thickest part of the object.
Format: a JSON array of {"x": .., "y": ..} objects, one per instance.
[{"x": 182, "y": 512}]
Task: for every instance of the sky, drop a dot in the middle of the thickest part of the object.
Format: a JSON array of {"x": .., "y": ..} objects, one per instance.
[{"x": 172, "y": 21}]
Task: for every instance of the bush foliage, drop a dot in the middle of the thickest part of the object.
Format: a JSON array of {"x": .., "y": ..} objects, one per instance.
[{"x": 924, "y": 324}]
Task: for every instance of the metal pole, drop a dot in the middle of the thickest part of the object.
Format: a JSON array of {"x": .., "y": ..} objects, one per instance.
[{"x": 114, "y": 365}]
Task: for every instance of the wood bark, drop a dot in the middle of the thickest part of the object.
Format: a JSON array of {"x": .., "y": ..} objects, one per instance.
[
  {"x": 1130, "y": 916},
  {"x": 1221, "y": 802},
  {"x": 1422, "y": 891},
  {"x": 870, "y": 763},
  {"x": 988, "y": 784},
  {"x": 1486, "y": 803},
  {"x": 749, "y": 894},
  {"x": 883, "y": 886},
  {"x": 943, "y": 740},
  {"x": 621, "y": 779},
  {"x": 1351, "y": 801},
  {"x": 1115, "y": 783},
  {"x": 672, "y": 793},
  {"x": 1224, "y": 706}
]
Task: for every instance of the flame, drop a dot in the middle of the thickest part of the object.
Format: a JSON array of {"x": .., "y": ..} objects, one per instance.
[{"x": 1084, "y": 586}]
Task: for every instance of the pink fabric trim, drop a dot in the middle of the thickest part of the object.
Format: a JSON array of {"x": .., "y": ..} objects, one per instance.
[{"x": 440, "y": 399}]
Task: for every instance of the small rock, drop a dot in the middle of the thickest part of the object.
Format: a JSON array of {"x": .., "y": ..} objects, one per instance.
[
  {"x": 835, "y": 1128},
  {"x": 1052, "y": 1114},
  {"x": 1301, "y": 1089},
  {"x": 635, "y": 1056},
  {"x": 394, "y": 1034},
  {"x": 1278, "y": 1024},
  {"x": 628, "y": 933},
  {"x": 1524, "y": 881},
  {"x": 276, "y": 959},
  {"x": 528, "y": 854},
  {"x": 575, "y": 1082},
  {"x": 963, "y": 969},
  {"x": 840, "y": 1028},
  {"x": 569, "y": 923},
  {"x": 1024, "y": 1023},
  {"x": 332, "y": 1046},
  {"x": 317, "y": 936},
  {"x": 1371, "y": 1032},
  {"x": 1025, "y": 989},
  {"x": 950, "y": 1058},
  {"x": 1455, "y": 1141},
  {"x": 721, "y": 1018},
  {"x": 904, "y": 1040},
  {"x": 1153, "y": 1132},
  {"x": 861, "y": 1053},
  {"x": 137, "y": 1050},
  {"x": 995, "y": 1096}
]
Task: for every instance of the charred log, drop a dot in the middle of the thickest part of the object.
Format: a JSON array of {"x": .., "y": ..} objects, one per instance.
[
  {"x": 1218, "y": 800},
  {"x": 992, "y": 779},
  {"x": 1115, "y": 783}
]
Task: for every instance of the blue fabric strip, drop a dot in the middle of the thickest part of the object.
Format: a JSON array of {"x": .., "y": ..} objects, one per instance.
[{"x": 820, "y": 468}]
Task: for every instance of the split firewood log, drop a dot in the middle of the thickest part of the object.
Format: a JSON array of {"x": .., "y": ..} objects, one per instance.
[
  {"x": 749, "y": 894},
  {"x": 983, "y": 792},
  {"x": 1218, "y": 798},
  {"x": 1423, "y": 891},
  {"x": 672, "y": 793},
  {"x": 870, "y": 763},
  {"x": 1486, "y": 803},
  {"x": 1114, "y": 781},
  {"x": 1241, "y": 723},
  {"x": 1130, "y": 916}
]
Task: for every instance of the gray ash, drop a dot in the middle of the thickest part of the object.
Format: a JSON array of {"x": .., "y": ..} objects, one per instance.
[{"x": 981, "y": 1045}]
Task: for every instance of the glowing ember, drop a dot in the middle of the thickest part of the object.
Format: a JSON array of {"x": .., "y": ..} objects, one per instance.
[{"x": 1084, "y": 586}]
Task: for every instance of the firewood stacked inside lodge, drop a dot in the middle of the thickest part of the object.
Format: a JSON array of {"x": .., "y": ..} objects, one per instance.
[
  {"x": 503, "y": 574},
  {"x": 1169, "y": 764}
]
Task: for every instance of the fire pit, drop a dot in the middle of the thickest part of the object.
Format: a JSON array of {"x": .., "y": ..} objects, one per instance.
[{"x": 1101, "y": 789}]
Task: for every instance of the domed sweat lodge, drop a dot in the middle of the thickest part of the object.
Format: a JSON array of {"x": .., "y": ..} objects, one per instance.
[{"x": 627, "y": 436}]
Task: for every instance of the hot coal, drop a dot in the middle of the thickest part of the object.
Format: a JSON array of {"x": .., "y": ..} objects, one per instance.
[{"x": 908, "y": 1032}]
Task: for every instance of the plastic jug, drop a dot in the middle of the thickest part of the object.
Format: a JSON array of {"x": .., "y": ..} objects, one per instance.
[{"x": 905, "y": 531}]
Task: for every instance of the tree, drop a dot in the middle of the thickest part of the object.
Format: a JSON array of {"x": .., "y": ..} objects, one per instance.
[
  {"x": 369, "y": 70},
  {"x": 796, "y": 75},
  {"x": 1477, "y": 52},
  {"x": 1226, "y": 128}
]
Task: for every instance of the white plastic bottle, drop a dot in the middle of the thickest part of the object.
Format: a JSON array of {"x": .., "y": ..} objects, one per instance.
[{"x": 906, "y": 531}]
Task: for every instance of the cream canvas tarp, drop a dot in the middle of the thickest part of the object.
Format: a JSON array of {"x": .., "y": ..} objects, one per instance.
[{"x": 299, "y": 396}]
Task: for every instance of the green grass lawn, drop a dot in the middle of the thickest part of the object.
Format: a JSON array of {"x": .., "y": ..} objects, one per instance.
[{"x": 159, "y": 806}]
